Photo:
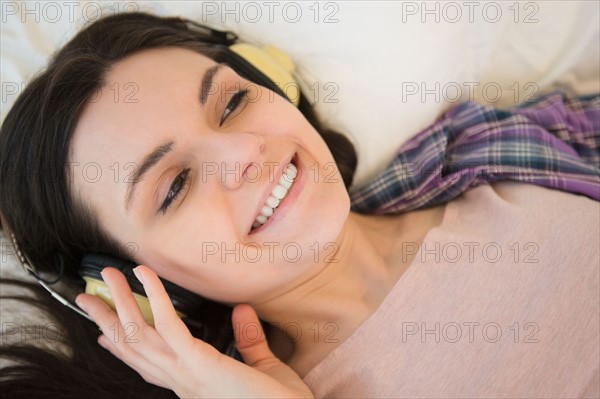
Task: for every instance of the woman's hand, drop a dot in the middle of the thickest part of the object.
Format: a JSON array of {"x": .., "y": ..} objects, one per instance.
[{"x": 169, "y": 356}]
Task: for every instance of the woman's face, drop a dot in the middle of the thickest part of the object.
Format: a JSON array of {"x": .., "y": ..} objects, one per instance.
[{"x": 177, "y": 163}]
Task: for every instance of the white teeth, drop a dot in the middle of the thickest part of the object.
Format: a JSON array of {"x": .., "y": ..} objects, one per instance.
[
  {"x": 286, "y": 181},
  {"x": 272, "y": 202},
  {"x": 266, "y": 211},
  {"x": 279, "y": 192},
  {"x": 291, "y": 171}
]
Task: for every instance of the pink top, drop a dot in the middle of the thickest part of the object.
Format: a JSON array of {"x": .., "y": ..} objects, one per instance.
[{"x": 502, "y": 300}]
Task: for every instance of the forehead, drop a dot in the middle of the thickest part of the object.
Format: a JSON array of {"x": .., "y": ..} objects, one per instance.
[{"x": 137, "y": 98}]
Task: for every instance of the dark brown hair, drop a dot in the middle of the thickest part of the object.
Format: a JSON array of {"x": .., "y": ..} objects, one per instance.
[{"x": 36, "y": 203}]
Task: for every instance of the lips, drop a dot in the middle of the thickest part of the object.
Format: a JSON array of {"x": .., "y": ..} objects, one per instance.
[{"x": 276, "y": 193}]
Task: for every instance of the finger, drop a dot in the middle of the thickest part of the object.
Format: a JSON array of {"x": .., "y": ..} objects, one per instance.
[
  {"x": 149, "y": 374},
  {"x": 138, "y": 352},
  {"x": 132, "y": 319},
  {"x": 101, "y": 313},
  {"x": 250, "y": 338},
  {"x": 126, "y": 305},
  {"x": 166, "y": 321},
  {"x": 145, "y": 355}
]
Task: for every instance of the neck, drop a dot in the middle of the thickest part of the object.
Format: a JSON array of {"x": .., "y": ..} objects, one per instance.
[{"x": 352, "y": 283}]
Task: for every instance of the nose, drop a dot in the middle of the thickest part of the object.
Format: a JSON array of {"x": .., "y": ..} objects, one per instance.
[{"x": 236, "y": 155}]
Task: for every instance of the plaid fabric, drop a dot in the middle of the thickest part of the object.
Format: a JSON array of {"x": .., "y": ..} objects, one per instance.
[{"x": 553, "y": 141}]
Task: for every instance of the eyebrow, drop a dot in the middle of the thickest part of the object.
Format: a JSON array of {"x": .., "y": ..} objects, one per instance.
[
  {"x": 162, "y": 150},
  {"x": 207, "y": 82},
  {"x": 149, "y": 161}
]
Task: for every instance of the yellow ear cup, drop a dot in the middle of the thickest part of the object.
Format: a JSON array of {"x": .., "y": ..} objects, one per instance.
[
  {"x": 100, "y": 289},
  {"x": 274, "y": 63}
]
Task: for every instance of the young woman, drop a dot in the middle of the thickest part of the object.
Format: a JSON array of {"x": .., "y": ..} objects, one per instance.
[{"x": 232, "y": 197}]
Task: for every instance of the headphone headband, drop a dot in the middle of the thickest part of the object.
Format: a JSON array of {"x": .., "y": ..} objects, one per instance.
[{"x": 212, "y": 35}]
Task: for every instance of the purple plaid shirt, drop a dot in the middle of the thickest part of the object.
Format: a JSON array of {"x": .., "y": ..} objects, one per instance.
[{"x": 553, "y": 141}]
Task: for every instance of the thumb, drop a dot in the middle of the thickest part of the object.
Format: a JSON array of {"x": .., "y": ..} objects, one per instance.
[{"x": 250, "y": 338}]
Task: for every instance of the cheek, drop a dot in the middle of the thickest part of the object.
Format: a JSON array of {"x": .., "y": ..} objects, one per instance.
[
  {"x": 220, "y": 271},
  {"x": 273, "y": 114},
  {"x": 183, "y": 239}
]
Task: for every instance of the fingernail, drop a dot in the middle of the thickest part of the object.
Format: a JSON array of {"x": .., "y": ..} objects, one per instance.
[{"x": 138, "y": 275}]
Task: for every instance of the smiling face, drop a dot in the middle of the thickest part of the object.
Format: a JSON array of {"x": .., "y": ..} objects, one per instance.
[{"x": 178, "y": 155}]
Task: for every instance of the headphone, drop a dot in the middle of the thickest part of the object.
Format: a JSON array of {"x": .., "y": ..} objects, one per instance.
[{"x": 267, "y": 66}]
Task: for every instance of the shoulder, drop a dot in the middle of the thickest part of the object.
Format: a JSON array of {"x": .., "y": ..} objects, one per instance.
[{"x": 524, "y": 195}]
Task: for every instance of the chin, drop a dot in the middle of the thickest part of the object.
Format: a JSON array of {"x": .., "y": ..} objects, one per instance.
[{"x": 327, "y": 223}]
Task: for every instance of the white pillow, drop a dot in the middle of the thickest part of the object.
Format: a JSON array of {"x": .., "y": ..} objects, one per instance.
[{"x": 377, "y": 71}]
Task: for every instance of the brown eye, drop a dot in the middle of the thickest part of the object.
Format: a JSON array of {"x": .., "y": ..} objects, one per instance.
[
  {"x": 233, "y": 104},
  {"x": 176, "y": 188}
]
